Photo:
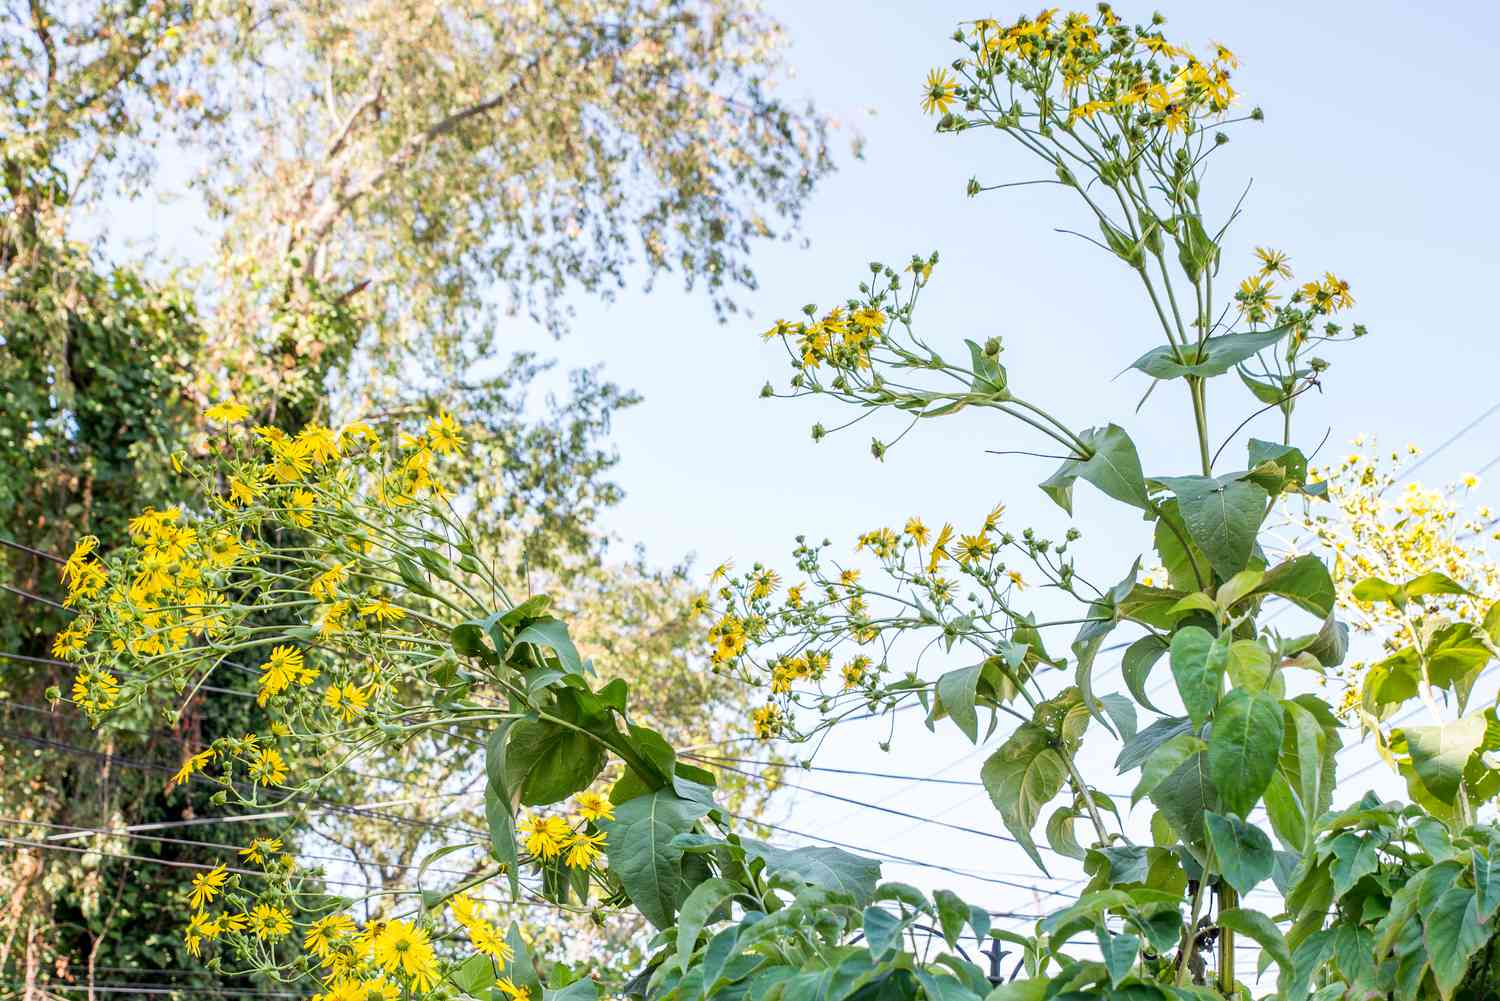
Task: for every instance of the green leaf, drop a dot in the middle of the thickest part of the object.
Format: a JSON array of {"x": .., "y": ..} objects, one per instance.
[
  {"x": 1266, "y": 392},
  {"x": 582, "y": 989},
  {"x": 474, "y": 974},
  {"x": 1140, "y": 657},
  {"x": 1244, "y": 747},
  {"x": 1223, "y": 515},
  {"x": 953, "y": 914},
  {"x": 552, "y": 634},
  {"x": 1285, "y": 813},
  {"x": 1113, "y": 466},
  {"x": 1439, "y": 753},
  {"x": 499, "y": 810},
  {"x": 1237, "y": 588},
  {"x": 882, "y": 931},
  {"x": 1198, "y": 663},
  {"x": 1304, "y": 581},
  {"x": 1433, "y": 582},
  {"x": 1119, "y": 952},
  {"x": 1060, "y": 832},
  {"x": 1261, "y": 930},
  {"x": 1452, "y": 933},
  {"x": 520, "y": 969},
  {"x": 642, "y": 856},
  {"x": 1021, "y": 777},
  {"x": 706, "y": 898},
  {"x": 1163, "y": 761},
  {"x": 1187, "y": 566},
  {"x": 1140, "y": 747},
  {"x": 1183, "y": 796},
  {"x": 1355, "y": 856},
  {"x": 1218, "y": 355},
  {"x": 1020, "y": 990},
  {"x": 547, "y": 762},
  {"x": 989, "y": 375},
  {"x": 829, "y": 868},
  {"x": 1276, "y": 466},
  {"x": 956, "y": 692},
  {"x": 1243, "y": 850},
  {"x": 1122, "y": 711}
]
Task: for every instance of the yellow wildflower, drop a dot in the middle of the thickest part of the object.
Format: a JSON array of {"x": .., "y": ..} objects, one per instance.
[
  {"x": 227, "y": 412},
  {"x": 207, "y": 885}
]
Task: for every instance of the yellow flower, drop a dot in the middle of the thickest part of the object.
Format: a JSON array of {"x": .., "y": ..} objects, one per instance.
[
  {"x": 284, "y": 667},
  {"x": 1015, "y": 578},
  {"x": 938, "y": 92},
  {"x": 324, "y": 931},
  {"x": 1273, "y": 262},
  {"x": 348, "y": 702},
  {"x": 193, "y": 764},
  {"x": 319, "y": 442},
  {"x": 95, "y": 690},
  {"x": 992, "y": 520},
  {"x": 325, "y": 585},
  {"x": 592, "y": 806},
  {"x": 583, "y": 849},
  {"x": 199, "y": 927},
  {"x": 403, "y": 947},
  {"x": 509, "y": 989},
  {"x": 259, "y": 849},
  {"x": 974, "y": 548},
  {"x": 206, "y": 886},
  {"x": 290, "y": 461},
  {"x": 268, "y": 922},
  {"x": 443, "y": 434},
  {"x": 766, "y": 721},
  {"x": 764, "y": 583},
  {"x": 268, "y": 768},
  {"x": 227, "y": 412},
  {"x": 382, "y": 610},
  {"x": 916, "y": 531},
  {"x": 299, "y": 508},
  {"x": 940, "y": 549},
  {"x": 545, "y": 836},
  {"x": 487, "y": 940}
]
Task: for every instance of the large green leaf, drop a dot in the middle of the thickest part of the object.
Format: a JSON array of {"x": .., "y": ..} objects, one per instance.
[
  {"x": 1021, "y": 777},
  {"x": 642, "y": 856},
  {"x": 956, "y": 691},
  {"x": 1217, "y": 356},
  {"x": 1304, "y": 581},
  {"x": 1452, "y": 933},
  {"x": 499, "y": 808},
  {"x": 1198, "y": 661},
  {"x": 1275, "y": 466},
  {"x": 1222, "y": 515},
  {"x": 1135, "y": 667},
  {"x": 1261, "y": 930},
  {"x": 1244, "y": 748},
  {"x": 705, "y": 898},
  {"x": 1183, "y": 796},
  {"x": 1187, "y": 567},
  {"x": 829, "y": 868},
  {"x": 1140, "y": 747},
  {"x": 1243, "y": 851},
  {"x": 1113, "y": 466},
  {"x": 1163, "y": 761},
  {"x": 1439, "y": 753},
  {"x": 551, "y": 634},
  {"x": 547, "y": 762}
]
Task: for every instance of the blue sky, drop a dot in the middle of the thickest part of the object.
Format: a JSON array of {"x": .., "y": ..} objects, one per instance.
[{"x": 1369, "y": 164}]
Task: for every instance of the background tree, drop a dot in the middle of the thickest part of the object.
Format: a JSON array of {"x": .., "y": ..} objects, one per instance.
[{"x": 372, "y": 176}]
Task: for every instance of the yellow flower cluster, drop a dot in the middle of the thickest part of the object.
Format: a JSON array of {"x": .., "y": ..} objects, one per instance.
[
  {"x": 266, "y": 922},
  {"x": 813, "y": 634},
  {"x": 1083, "y": 67},
  {"x": 1378, "y": 526},
  {"x": 843, "y": 337},
  {"x": 487, "y": 939},
  {"x": 548, "y": 837},
  {"x": 1257, "y": 296}
]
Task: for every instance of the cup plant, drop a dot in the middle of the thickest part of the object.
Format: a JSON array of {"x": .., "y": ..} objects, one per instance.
[{"x": 338, "y": 564}]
